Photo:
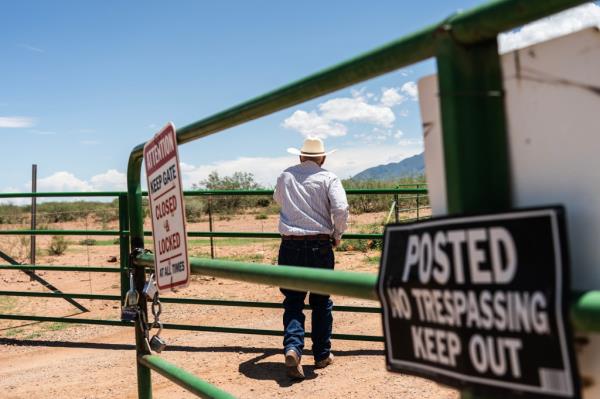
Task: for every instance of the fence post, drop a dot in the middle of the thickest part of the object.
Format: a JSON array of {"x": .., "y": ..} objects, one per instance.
[
  {"x": 396, "y": 199},
  {"x": 474, "y": 129},
  {"x": 417, "y": 203},
  {"x": 33, "y": 215},
  {"x": 474, "y": 125},
  {"x": 123, "y": 244},
  {"x": 210, "y": 228},
  {"x": 136, "y": 239}
]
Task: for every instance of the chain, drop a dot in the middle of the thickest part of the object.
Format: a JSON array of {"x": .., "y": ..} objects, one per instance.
[
  {"x": 145, "y": 330},
  {"x": 156, "y": 310}
]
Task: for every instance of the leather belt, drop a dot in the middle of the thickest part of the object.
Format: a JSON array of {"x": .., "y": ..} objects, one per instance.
[{"x": 318, "y": 237}]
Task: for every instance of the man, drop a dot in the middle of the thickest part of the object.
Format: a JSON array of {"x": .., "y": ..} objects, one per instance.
[{"x": 314, "y": 214}]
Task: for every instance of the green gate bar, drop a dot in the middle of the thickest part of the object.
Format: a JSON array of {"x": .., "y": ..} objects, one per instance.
[
  {"x": 207, "y": 193},
  {"x": 92, "y": 269},
  {"x": 182, "y": 327},
  {"x": 185, "y": 301},
  {"x": 182, "y": 378}
]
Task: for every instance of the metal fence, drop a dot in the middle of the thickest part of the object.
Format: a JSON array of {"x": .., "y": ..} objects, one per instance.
[{"x": 123, "y": 234}]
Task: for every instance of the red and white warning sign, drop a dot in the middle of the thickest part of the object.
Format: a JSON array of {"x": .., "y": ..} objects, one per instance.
[{"x": 171, "y": 264}]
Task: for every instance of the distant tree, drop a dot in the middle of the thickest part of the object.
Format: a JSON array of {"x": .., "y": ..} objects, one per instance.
[{"x": 237, "y": 181}]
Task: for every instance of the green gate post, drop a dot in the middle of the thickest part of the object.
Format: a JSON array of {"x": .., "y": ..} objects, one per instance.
[
  {"x": 474, "y": 126},
  {"x": 136, "y": 235},
  {"x": 474, "y": 129},
  {"x": 123, "y": 244}
]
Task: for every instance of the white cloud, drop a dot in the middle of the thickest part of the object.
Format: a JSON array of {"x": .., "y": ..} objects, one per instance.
[
  {"x": 13, "y": 201},
  {"x": 264, "y": 169},
  {"x": 547, "y": 28},
  {"x": 391, "y": 97},
  {"x": 410, "y": 89},
  {"x": 357, "y": 109},
  {"x": 16, "y": 121},
  {"x": 399, "y": 133},
  {"x": 377, "y": 135},
  {"x": 111, "y": 180},
  {"x": 313, "y": 124},
  {"x": 361, "y": 107},
  {"x": 31, "y": 48},
  {"x": 63, "y": 181},
  {"x": 43, "y": 132},
  {"x": 346, "y": 162},
  {"x": 411, "y": 142}
]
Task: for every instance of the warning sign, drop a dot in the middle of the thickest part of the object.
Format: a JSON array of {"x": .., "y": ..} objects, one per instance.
[
  {"x": 171, "y": 263},
  {"x": 481, "y": 301}
]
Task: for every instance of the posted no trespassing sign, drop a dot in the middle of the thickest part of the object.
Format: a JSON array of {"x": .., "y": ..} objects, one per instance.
[{"x": 481, "y": 301}]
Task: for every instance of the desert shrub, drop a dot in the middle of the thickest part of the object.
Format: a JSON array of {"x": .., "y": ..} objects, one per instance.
[
  {"x": 105, "y": 216},
  {"x": 12, "y": 214},
  {"x": 352, "y": 245},
  {"x": 58, "y": 245},
  {"x": 363, "y": 244},
  {"x": 264, "y": 202},
  {"x": 88, "y": 241},
  {"x": 261, "y": 216},
  {"x": 194, "y": 208},
  {"x": 233, "y": 203},
  {"x": 365, "y": 203}
]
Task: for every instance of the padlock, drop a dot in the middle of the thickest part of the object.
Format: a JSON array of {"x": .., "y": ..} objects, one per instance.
[
  {"x": 156, "y": 342},
  {"x": 129, "y": 311},
  {"x": 132, "y": 297},
  {"x": 150, "y": 288}
]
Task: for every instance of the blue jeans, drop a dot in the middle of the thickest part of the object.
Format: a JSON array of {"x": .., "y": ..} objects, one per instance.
[{"x": 309, "y": 253}]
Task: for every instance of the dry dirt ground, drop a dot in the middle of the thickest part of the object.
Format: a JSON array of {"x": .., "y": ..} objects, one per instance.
[{"x": 61, "y": 360}]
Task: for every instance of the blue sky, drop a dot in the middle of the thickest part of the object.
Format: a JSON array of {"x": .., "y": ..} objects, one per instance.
[{"x": 82, "y": 83}]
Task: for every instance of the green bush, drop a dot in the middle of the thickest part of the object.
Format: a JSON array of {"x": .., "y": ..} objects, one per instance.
[
  {"x": 88, "y": 241},
  {"x": 233, "y": 203},
  {"x": 261, "y": 216},
  {"x": 12, "y": 214},
  {"x": 264, "y": 202},
  {"x": 194, "y": 208},
  {"x": 362, "y": 244},
  {"x": 58, "y": 245}
]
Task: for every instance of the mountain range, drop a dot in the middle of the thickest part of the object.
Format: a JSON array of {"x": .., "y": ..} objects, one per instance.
[{"x": 409, "y": 167}]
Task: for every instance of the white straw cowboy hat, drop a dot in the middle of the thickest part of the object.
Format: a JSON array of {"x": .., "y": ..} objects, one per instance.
[{"x": 312, "y": 147}]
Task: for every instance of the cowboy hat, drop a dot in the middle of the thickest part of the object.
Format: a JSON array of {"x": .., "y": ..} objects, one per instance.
[{"x": 312, "y": 147}]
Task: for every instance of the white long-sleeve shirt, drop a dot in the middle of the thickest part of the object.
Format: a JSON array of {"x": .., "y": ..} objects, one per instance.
[{"x": 312, "y": 201}]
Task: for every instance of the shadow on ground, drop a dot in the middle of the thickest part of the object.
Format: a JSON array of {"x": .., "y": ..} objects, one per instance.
[
  {"x": 258, "y": 369},
  {"x": 255, "y": 368}
]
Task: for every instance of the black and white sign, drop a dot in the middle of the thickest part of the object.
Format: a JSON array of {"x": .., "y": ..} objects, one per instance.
[{"x": 481, "y": 301}]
